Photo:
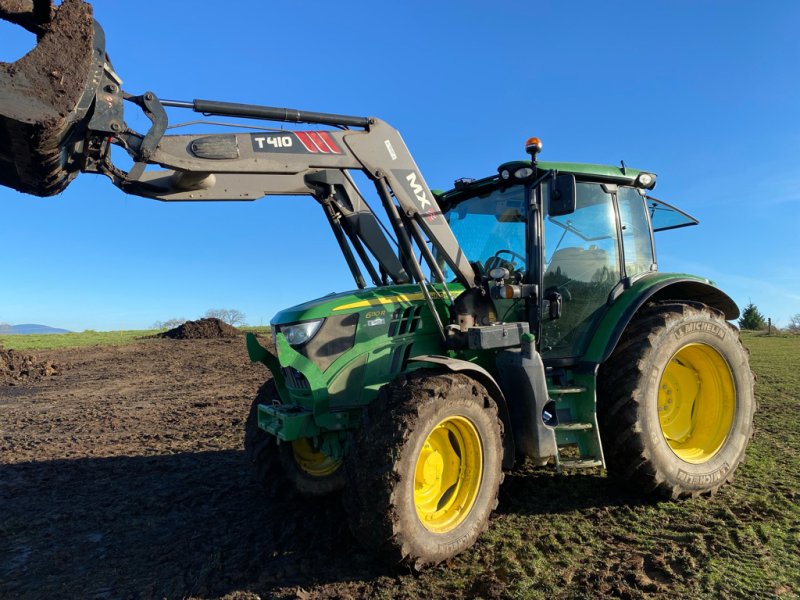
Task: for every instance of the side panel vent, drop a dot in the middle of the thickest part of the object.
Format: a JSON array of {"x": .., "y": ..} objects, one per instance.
[
  {"x": 405, "y": 320},
  {"x": 400, "y": 357}
]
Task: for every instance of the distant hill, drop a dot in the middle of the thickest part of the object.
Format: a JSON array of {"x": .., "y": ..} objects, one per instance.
[{"x": 30, "y": 328}]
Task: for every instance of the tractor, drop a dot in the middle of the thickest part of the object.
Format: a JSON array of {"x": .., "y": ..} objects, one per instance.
[{"x": 516, "y": 318}]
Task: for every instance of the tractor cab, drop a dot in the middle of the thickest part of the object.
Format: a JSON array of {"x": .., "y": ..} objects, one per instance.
[{"x": 577, "y": 234}]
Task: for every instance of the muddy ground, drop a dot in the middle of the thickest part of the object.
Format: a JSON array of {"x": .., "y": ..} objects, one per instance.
[{"x": 124, "y": 477}]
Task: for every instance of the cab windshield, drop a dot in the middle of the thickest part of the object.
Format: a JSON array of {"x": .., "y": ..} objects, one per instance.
[{"x": 491, "y": 230}]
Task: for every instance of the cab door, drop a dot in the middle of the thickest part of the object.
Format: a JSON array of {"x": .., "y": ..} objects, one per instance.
[{"x": 581, "y": 265}]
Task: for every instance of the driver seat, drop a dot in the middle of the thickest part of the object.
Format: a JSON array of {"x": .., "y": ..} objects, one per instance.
[{"x": 579, "y": 264}]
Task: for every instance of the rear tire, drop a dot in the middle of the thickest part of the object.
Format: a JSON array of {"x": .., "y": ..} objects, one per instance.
[
  {"x": 675, "y": 401},
  {"x": 281, "y": 464},
  {"x": 424, "y": 471}
]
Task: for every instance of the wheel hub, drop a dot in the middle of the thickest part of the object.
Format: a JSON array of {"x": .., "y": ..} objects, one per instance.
[
  {"x": 430, "y": 467},
  {"x": 676, "y": 397},
  {"x": 696, "y": 402},
  {"x": 313, "y": 462},
  {"x": 447, "y": 475}
]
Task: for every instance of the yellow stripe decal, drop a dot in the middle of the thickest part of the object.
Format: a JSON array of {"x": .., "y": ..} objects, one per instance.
[{"x": 382, "y": 300}]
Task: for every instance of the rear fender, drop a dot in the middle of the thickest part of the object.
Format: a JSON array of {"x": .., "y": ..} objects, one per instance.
[
  {"x": 485, "y": 378},
  {"x": 658, "y": 288}
]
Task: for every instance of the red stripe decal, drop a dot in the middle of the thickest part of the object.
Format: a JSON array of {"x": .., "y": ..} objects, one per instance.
[
  {"x": 329, "y": 140},
  {"x": 303, "y": 137},
  {"x": 319, "y": 142}
]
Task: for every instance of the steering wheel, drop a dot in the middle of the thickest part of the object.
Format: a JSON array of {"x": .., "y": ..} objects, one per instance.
[{"x": 495, "y": 261}]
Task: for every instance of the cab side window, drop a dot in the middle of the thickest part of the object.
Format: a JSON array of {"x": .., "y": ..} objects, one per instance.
[
  {"x": 637, "y": 244},
  {"x": 581, "y": 266}
]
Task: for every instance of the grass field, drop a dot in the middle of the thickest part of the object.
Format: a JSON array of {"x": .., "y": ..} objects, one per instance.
[{"x": 86, "y": 338}]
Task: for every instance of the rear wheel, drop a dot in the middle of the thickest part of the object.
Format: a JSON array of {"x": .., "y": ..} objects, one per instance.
[
  {"x": 424, "y": 470},
  {"x": 297, "y": 464},
  {"x": 676, "y": 401}
]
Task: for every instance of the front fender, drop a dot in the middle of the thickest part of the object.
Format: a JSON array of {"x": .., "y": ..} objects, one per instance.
[{"x": 653, "y": 287}]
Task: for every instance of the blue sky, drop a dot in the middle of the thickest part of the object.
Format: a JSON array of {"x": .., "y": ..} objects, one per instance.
[{"x": 706, "y": 94}]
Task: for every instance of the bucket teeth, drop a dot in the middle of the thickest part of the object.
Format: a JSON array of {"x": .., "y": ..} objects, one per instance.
[{"x": 45, "y": 95}]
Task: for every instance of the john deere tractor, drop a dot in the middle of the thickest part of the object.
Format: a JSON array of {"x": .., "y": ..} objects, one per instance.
[{"x": 518, "y": 317}]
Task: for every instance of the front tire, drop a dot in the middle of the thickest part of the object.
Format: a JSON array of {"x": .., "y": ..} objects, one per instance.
[
  {"x": 424, "y": 471},
  {"x": 676, "y": 401},
  {"x": 296, "y": 464}
]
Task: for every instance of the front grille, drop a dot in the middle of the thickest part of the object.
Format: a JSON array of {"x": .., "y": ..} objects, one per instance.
[{"x": 295, "y": 379}]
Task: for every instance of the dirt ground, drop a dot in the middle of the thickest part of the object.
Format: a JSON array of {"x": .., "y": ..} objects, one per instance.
[{"x": 124, "y": 477}]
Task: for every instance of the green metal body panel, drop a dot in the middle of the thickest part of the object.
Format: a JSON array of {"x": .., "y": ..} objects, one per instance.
[
  {"x": 394, "y": 325},
  {"x": 619, "y": 314},
  {"x": 391, "y": 297}
]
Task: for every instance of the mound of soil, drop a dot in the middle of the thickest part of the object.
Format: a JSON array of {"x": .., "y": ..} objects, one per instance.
[
  {"x": 16, "y": 368},
  {"x": 202, "y": 329}
]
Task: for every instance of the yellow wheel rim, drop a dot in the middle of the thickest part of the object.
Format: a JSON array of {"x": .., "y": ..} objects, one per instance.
[
  {"x": 448, "y": 473},
  {"x": 696, "y": 403},
  {"x": 312, "y": 462}
]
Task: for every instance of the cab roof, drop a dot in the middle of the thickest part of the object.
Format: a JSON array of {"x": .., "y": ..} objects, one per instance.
[
  {"x": 663, "y": 216},
  {"x": 622, "y": 175}
]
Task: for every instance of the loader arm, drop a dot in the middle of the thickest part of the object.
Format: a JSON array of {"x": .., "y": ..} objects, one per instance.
[
  {"x": 221, "y": 167},
  {"x": 248, "y": 166}
]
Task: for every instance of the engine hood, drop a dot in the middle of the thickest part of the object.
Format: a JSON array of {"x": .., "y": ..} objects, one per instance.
[{"x": 356, "y": 301}]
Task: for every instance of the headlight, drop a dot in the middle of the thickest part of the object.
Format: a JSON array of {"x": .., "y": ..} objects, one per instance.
[
  {"x": 646, "y": 180},
  {"x": 523, "y": 173},
  {"x": 300, "y": 333}
]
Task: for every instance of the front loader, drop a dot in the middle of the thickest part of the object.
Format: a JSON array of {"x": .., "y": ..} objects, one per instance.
[{"x": 517, "y": 317}]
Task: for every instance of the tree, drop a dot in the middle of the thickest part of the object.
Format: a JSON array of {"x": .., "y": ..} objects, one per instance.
[
  {"x": 752, "y": 319},
  {"x": 794, "y": 323},
  {"x": 169, "y": 324},
  {"x": 230, "y": 315}
]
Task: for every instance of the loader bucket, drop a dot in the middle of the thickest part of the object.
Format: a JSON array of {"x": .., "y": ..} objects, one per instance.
[{"x": 46, "y": 96}]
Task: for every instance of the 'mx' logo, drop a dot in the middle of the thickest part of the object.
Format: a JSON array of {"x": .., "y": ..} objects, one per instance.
[{"x": 418, "y": 190}]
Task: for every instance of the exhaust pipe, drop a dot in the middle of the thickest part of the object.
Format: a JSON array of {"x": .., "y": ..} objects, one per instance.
[{"x": 46, "y": 96}]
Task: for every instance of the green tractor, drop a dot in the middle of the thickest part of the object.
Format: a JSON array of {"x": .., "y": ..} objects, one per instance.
[
  {"x": 573, "y": 350},
  {"x": 519, "y": 317}
]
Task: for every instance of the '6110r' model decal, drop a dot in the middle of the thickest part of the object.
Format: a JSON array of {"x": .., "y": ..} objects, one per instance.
[{"x": 295, "y": 142}]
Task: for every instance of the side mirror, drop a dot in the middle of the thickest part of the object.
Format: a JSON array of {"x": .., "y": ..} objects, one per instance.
[{"x": 562, "y": 196}]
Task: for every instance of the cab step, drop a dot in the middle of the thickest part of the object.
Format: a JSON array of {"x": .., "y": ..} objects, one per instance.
[
  {"x": 574, "y": 426},
  {"x": 588, "y": 463},
  {"x": 559, "y": 390}
]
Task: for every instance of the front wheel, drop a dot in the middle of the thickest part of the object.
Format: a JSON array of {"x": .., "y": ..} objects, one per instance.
[
  {"x": 424, "y": 471},
  {"x": 676, "y": 401},
  {"x": 298, "y": 464}
]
